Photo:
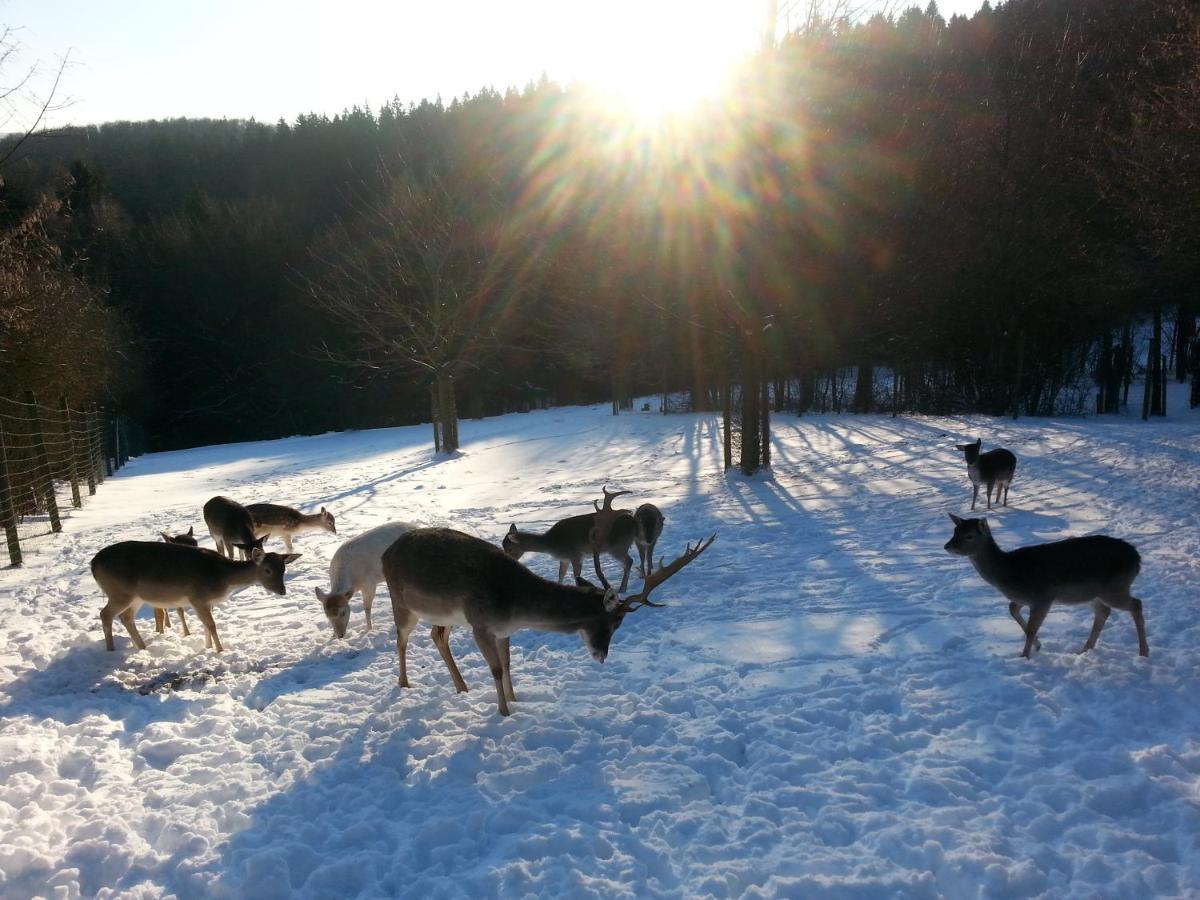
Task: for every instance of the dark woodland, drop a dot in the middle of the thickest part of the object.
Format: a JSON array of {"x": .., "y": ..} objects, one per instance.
[{"x": 992, "y": 210}]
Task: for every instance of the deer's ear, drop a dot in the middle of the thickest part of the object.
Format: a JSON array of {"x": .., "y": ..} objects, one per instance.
[
  {"x": 961, "y": 447},
  {"x": 955, "y": 519},
  {"x": 166, "y": 537},
  {"x": 289, "y": 558},
  {"x": 512, "y": 530},
  {"x": 611, "y": 600},
  {"x": 191, "y": 531},
  {"x": 321, "y": 595},
  {"x": 984, "y": 527},
  {"x": 580, "y": 581}
]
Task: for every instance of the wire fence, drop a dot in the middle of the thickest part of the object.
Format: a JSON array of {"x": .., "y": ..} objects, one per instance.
[{"x": 52, "y": 456}]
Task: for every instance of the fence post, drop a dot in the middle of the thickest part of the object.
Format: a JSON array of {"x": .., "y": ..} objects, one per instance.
[
  {"x": 43, "y": 460},
  {"x": 96, "y": 442},
  {"x": 7, "y": 510},
  {"x": 86, "y": 458},
  {"x": 73, "y": 457}
]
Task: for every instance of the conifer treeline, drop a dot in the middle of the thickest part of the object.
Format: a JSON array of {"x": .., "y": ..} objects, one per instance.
[{"x": 983, "y": 205}]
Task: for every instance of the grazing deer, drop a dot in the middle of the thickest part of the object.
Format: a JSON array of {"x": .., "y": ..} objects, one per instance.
[
  {"x": 286, "y": 522},
  {"x": 162, "y": 621},
  {"x": 446, "y": 578},
  {"x": 171, "y": 576},
  {"x": 1096, "y": 569},
  {"x": 231, "y": 526},
  {"x": 570, "y": 540},
  {"x": 647, "y": 529},
  {"x": 994, "y": 469},
  {"x": 357, "y": 565}
]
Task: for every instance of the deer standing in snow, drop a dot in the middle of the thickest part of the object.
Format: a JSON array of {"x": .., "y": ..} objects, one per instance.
[
  {"x": 172, "y": 576},
  {"x": 357, "y": 565},
  {"x": 994, "y": 469},
  {"x": 162, "y": 621},
  {"x": 444, "y": 577},
  {"x": 231, "y": 526},
  {"x": 1096, "y": 569},
  {"x": 570, "y": 539},
  {"x": 285, "y": 522}
]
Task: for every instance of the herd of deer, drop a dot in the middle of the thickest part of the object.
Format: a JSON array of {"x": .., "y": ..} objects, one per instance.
[
  {"x": 446, "y": 578},
  {"x": 436, "y": 575}
]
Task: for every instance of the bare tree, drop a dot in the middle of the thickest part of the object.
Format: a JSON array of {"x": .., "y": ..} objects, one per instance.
[
  {"x": 422, "y": 279},
  {"x": 22, "y": 99}
]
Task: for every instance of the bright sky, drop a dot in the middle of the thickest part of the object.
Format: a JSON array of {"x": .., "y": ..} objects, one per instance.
[{"x": 142, "y": 59}]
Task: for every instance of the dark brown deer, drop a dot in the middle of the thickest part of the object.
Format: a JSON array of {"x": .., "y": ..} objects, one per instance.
[
  {"x": 647, "y": 529},
  {"x": 1096, "y": 569},
  {"x": 447, "y": 578},
  {"x": 171, "y": 576},
  {"x": 231, "y": 526},
  {"x": 994, "y": 469}
]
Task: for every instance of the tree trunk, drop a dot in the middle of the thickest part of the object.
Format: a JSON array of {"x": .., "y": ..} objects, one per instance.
[
  {"x": 1154, "y": 366},
  {"x": 446, "y": 426},
  {"x": 765, "y": 426},
  {"x": 727, "y": 421},
  {"x": 751, "y": 419},
  {"x": 1016, "y": 401},
  {"x": 1185, "y": 331},
  {"x": 864, "y": 389}
]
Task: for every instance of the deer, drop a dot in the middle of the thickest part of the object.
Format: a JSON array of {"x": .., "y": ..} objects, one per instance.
[
  {"x": 1096, "y": 569},
  {"x": 647, "y": 529},
  {"x": 994, "y": 469},
  {"x": 357, "y": 566},
  {"x": 286, "y": 522},
  {"x": 162, "y": 621},
  {"x": 173, "y": 576},
  {"x": 570, "y": 539},
  {"x": 231, "y": 526},
  {"x": 446, "y": 578}
]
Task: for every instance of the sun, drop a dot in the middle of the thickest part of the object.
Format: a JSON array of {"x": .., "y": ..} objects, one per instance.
[{"x": 657, "y": 58}]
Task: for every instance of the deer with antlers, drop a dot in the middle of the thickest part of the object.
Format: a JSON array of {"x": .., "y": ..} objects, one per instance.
[
  {"x": 569, "y": 540},
  {"x": 445, "y": 578}
]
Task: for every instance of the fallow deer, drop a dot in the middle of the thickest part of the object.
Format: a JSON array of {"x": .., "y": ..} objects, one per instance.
[
  {"x": 231, "y": 526},
  {"x": 285, "y": 522},
  {"x": 162, "y": 620},
  {"x": 994, "y": 469},
  {"x": 1096, "y": 569},
  {"x": 648, "y": 525},
  {"x": 357, "y": 566},
  {"x": 446, "y": 578},
  {"x": 171, "y": 576},
  {"x": 570, "y": 539}
]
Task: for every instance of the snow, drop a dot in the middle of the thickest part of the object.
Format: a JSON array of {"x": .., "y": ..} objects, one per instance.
[{"x": 831, "y": 706}]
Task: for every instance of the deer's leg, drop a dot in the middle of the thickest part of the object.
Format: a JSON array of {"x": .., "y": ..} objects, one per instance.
[
  {"x": 116, "y": 606},
  {"x": 183, "y": 622},
  {"x": 161, "y": 622},
  {"x": 1037, "y": 615},
  {"x": 441, "y": 640},
  {"x": 1006, "y": 493},
  {"x": 643, "y": 552},
  {"x": 562, "y": 570},
  {"x": 204, "y": 614},
  {"x": 627, "y": 562},
  {"x": 287, "y": 542},
  {"x": 502, "y": 643},
  {"x": 974, "y": 494},
  {"x": 368, "y": 595},
  {"x": 1101, "y": 616},
  {"x": 405, "y": 623},
  {"x": 131, "y": 626},
  {"x": 1014, "y": 610},
  {"x": 1134, "y": 606},
  {"x": 577, "y": 565},
  {"x": 989, "y": 493},
  {"x": 487, "y": 646}
]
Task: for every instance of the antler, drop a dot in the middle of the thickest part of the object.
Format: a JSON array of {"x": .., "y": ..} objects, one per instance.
[
  {"x": 595, "y": 537},
  {"x": 608, "y": 499},
  {"x": 661, "y": 574}
]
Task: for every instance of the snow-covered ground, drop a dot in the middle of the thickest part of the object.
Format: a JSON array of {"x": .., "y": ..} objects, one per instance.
[{"x": 831, "y": 706}]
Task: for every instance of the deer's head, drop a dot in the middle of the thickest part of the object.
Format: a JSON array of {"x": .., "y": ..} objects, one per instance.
[
  {"x": 271, "y": 567},
  {"x": 970, "y": 536},
  {"x": 512, "y": 543},
  {"x": 327, "y": 522},
  {"x": 337, "y": 609},
  {"x": 597, "y": 634},
  {"x": 188, "y": 540},
  {"x": 970, "y": 451}
]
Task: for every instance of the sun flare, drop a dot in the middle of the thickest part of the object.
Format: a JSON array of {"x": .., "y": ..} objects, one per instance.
[{"x": 657, "y": 58}]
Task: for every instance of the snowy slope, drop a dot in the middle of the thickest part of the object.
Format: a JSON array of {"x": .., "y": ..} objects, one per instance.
[{"x": 831, "y": 706}]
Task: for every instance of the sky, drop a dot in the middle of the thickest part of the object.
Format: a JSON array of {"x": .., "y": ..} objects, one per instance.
[{"x": 267, "y": 59}]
